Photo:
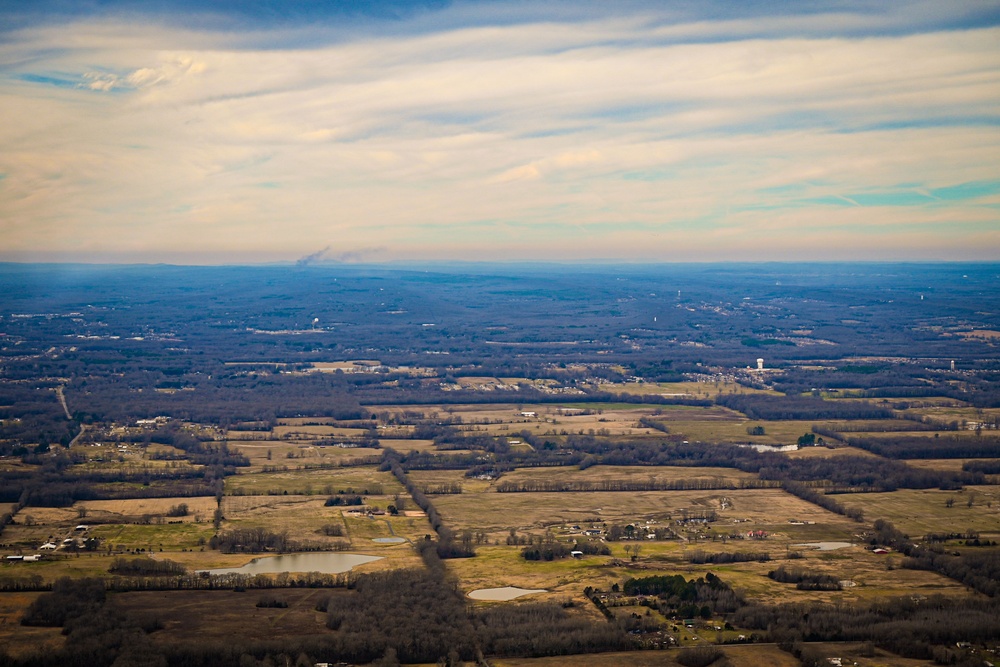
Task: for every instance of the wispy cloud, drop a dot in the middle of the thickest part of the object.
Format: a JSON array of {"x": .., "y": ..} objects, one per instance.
[{"x": 643, "y": 133}]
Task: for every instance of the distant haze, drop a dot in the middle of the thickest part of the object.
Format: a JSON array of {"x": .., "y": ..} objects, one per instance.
[{"x": 317, "y": 132}]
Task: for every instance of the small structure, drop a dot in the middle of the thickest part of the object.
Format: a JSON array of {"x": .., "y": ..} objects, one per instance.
[
  {"x": 528, "y": 413},
  {"x": 48, "y": 546},
  {"x": 760, "y": 364},
  {"x": 576, "y": 554}
]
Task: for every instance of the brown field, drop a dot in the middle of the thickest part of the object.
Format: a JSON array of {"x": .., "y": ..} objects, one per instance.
[
  {"x": 307, "y": 482},
  {"x": 18, "y": 640},
  {"x": 595, "y": 474},
  {"x": 232, "y": 615},
  {"x": 823, "y": 452},
  {"x": 313, "y": 431},
  {"x": 408, "y": 445}
]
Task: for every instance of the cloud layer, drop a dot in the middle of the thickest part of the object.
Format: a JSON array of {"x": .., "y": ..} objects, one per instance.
[{"x": 494, "y": 131}]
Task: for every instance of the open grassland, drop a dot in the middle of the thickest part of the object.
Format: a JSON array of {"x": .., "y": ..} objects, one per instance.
[
  {"x": 918, "y": 512},
  {"x": 62, "y": 565},
  {"x": 277, "y": 453},
  {"x": 18, "y": 640},
  {"x": 153, "y": 537},
  {"x": 363, "y": 480},
  {"x": 697, "y": 429},
  {"x": 867, "y": 577},
  {"x": 430, "y": 479},
  {"x": 104, "y": 511},
  {"x": 950, "y": 465}
]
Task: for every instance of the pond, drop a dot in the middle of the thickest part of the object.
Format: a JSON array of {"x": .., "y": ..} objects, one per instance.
[
  {"x": 825, "y": 546},
  {"x": 327, "y": 563},
  {"x": 505, "y": 593}
]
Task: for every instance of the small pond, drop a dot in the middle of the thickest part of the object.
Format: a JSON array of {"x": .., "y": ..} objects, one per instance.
[
  {"x": 505, "y": 593},
  {"x": 824, "y": 546},
  {"x": 327, "y": 563},
  {"x": 389, "y": 540}
]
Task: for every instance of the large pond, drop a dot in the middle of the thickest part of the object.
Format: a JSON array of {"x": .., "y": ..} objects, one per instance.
[
  {"x": 505, "y": 593},
  {"x": 327, "y": 563}
]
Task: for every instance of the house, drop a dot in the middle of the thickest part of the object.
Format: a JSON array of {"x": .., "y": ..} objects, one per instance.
[
  {"x": 32, "y": 559},
  {"x": 576, "y": 554},
  {"x": 48, "y": 546},
  {"x": 528, "y": 413},
  {"x": 880, "y": 550}
]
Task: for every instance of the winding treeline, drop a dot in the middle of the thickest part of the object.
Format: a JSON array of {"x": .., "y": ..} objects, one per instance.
[{"x": 448, "y": 544}]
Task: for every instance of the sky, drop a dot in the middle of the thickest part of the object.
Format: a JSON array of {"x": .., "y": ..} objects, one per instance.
[{"x": 241, "y": 132}]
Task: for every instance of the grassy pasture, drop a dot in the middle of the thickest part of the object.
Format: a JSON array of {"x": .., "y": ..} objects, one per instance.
[
  {"x": 918, "y": 512},
  {"x": 308, "y": 482},
  {"x": 303, "y": 516},
  {"x": 431, "y": 478},
  {"x": 162, "y": 537}
]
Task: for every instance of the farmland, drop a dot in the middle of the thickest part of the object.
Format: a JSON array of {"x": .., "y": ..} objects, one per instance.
[{"x": 657, "y": 497}]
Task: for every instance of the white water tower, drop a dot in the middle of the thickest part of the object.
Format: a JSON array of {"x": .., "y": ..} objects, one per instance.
[{"x": 760, "y": 364}]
